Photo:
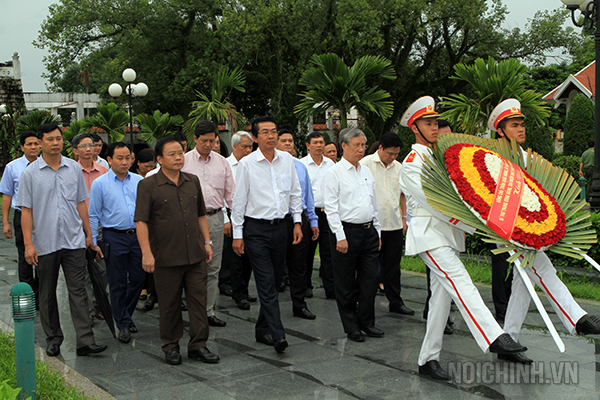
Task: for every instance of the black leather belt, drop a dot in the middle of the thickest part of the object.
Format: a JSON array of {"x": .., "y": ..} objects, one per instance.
[
  {"x": 213, "y": 212},
  {"x": 126, "y": 231},
  {"x": 271, "y": 221},
  {"x": 366, "y": 225},
  {"x": 319, "y": 210}
]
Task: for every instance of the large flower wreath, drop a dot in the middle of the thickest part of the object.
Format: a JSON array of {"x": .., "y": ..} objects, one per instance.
[{"x": 462, "y": 181}]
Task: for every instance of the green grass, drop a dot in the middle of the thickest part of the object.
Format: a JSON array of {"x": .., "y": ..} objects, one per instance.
[
  {"x": 50, "y": 384},
  {"x": 481, "y": 272}
]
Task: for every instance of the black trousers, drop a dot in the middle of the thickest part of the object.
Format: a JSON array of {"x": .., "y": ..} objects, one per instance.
[
  {"x": 265, "y": 244},
  {"x": 501, "y": 283},
  {"x": 296, "y": 262},
  {"x": 27, "y": 273},
  {"x": 240, "y": 270},
  {"x": 326, "y": 272},
  {"x": 392, "y": 244},
  {"x": 356, "y": 277}
]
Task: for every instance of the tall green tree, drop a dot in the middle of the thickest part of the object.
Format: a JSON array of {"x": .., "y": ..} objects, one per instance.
[
  {"x": 489, "y": 83},
  {"x": 579, "y": 126},
  {"x": 331, "y": 83}
]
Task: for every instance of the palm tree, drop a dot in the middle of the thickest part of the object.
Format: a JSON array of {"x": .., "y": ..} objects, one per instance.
[
  {"x": 35, "y": 119},
  {"x": 492, "y": 82},
  {"x": 111, "y": 120},
  {"x": 158, "y": 126},
  {"x": 331, "y": 83},
  {"x": 217, "y": 107}
]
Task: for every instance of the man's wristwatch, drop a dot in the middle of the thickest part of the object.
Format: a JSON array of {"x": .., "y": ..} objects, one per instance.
[{"x": 208, "y": 242}]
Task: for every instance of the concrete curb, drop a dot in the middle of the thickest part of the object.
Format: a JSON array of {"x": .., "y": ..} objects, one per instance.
[{"x": 70, "y": 376}]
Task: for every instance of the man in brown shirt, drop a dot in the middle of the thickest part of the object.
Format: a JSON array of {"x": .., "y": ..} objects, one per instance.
[{"x": 172, "y": 230}]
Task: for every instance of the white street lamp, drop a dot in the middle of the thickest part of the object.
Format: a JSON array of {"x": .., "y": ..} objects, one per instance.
[{"x": 139, "y": 90}]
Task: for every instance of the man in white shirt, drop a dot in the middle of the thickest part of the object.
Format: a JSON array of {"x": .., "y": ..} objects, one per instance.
[
  {"x": 317, "y": 165},
  {"x": 214, "y": 173},
  {"x": 267, "y": 190},
  {"x": 386, "y": 171},
  {"x": 351, "y": 208},
  {"x": 438, "y": 239},
  {"x": 239, "y": 267}
]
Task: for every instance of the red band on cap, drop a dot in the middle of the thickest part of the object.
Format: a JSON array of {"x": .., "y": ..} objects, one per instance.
[
  {"x": 420, "y": 113},
  {"x": 506, "y": 114}
]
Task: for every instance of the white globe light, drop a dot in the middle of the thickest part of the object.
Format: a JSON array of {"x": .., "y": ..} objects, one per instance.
[
  {"x": 141, "y": 89},
  {"x": 129, "y": 75},
  {"x": 115, "y": 90},
  {"x": 573, "y": 2},
  {"x": 3, "y": 106}
]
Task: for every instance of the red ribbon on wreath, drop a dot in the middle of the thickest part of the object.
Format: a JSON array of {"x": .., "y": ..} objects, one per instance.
[{"x": 507, "y": 200}]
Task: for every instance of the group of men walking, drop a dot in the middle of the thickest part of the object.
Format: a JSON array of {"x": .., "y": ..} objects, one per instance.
[{"x": 265, "y": 212}]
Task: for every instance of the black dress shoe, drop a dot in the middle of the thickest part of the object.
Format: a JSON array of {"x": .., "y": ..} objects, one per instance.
[
  {"x": 183, "y": 306},
  {"x": 280, "y": 345},
  {"x": 91, "y": 349},
  {"x": 265, "y": 339},
  {"x": 203, "y": 355},
  {"x": 356, "y": 336},
  {"x": 226, "y": 292},
  {"x": 281, "y": 287},
  {"x": 243, "y": 305},
  {"x": 124, "y": 335},
  {"x": 53, "y": 349},
  {"x": 251, "y": 299},
  {"x": 214, "y": 321},
  {"x": 448, "y": 329},
  {"x": 588, "y": 325},
  {"x": 505, "y": 344},
  {"x": 133, "y": 328},
  {"x": 373, "y": 332},
  {"x": 516, "y": 358},
  {"x": 149, "y": 304},
  {"x": 399, "y": 308},
  {"x": 143, "y": 297},
  {"x": 304, "y": 313},
  {"x": 173, "y": 357},
  {"x": 308, "y": 293},
  {"x": 434, "y": 369}
]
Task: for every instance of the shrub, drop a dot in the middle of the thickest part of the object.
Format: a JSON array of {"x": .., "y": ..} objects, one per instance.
[
  {"x": 569, "y": 164},
  {"x": 539, "y": 138},
  {"x": 579, "y": 126}
]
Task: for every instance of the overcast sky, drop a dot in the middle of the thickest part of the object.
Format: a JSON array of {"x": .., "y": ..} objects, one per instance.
[{"x": 20, "y": 22}]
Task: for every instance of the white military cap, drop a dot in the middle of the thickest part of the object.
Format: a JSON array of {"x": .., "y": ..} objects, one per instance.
[
  {"x": 424, "y": 107},
  {"x": 509, "y": 108}
]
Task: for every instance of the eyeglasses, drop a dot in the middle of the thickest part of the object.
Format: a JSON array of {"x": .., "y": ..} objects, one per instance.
[{"x": 83, "y": 146}]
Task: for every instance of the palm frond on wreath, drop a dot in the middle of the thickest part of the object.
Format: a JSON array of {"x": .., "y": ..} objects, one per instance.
[{"x": 443, "y": 196}]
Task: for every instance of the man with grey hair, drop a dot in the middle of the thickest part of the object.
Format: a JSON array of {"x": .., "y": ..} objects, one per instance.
[
  {"x": 240, "y": 269},
  {"x": 351, "y": 207}
]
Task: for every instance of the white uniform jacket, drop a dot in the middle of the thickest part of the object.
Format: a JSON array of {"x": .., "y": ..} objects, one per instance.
[{"x": 428, "y": 229}]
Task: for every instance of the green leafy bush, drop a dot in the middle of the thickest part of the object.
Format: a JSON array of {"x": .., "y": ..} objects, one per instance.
[
  {"x": 579, "y": 126},
  {"x": 569, "y": 164}
]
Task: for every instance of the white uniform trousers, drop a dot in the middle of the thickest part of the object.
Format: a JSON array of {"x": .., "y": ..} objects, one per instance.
[
  {"x": 542, "y": 274},
  {"x": 451, "y": 281}
]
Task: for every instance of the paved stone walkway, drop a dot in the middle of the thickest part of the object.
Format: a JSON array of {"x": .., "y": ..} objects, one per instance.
[{"x": 320, "y": 362}]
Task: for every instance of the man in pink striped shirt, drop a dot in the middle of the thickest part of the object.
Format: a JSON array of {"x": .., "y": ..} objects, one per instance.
[{"x": 216, "y": 179}]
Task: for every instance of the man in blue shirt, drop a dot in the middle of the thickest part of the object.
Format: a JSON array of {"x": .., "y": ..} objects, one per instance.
[
  {"x": 296, "y": 253},
  {"x": 9, "y": 187},
  {"x": 56, "y": 231},
  {"x": 112, "y": 205}
]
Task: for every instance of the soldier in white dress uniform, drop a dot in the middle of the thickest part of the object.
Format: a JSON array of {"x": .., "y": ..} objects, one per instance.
[
  {"x": 509, "y": 122},
  {"x": 438, "y": 239}
]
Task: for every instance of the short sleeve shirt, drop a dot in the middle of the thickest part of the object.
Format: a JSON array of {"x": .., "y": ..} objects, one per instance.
[
  {"x": 52, "y": 197},
  {"x": 171, "y": 212},
  {"x": 587, "y": 158}
]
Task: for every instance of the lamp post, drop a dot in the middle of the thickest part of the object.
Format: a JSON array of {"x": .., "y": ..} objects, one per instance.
[
  {"x": 23, "y": 310},
  {"x": 589, "y": 10},
  {"x": 139, "y": 90}
]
